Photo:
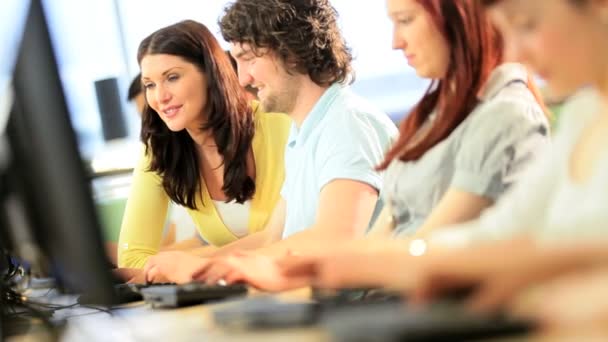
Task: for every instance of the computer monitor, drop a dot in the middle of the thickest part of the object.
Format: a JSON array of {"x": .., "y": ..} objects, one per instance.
[
  {"x": 12, "y": 21},
  {"x": 49, "y": 192}
]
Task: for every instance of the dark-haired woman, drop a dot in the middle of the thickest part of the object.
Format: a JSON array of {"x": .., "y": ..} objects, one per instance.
[{"x": 206, "y": 147}]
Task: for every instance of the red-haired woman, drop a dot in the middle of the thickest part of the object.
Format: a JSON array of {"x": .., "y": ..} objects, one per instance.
[
  {"x": 477, "y": 126},
  {"x": 461, "y": 147}
]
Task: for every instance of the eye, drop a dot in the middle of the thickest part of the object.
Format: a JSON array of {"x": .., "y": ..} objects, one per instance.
[
  {"x": 248, "y": 58},
  {"x": 173, "y": 77},
  {"x": 529, "y": 25},
  {"x": 404, "y": 21},
  {"x": 148, "y": 85},
  {"x": 525, "y": 24}
]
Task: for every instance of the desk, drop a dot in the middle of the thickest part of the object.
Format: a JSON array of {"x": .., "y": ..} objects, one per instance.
[{"x": 139, "y": 322}]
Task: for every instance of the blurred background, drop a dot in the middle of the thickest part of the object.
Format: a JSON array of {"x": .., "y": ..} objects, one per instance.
[
  {"x": 97, "y": 40},
  {"x": 96, "y": 43}
]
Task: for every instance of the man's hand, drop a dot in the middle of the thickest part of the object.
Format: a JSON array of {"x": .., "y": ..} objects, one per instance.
[
  {"x": 260, "y": 271},
  {"x": 349, "y": 268}
]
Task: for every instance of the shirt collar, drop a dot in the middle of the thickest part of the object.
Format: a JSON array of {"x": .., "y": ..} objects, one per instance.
[
  {"x": 318, "y": 112},
  {"x": 501, "y": 77}
]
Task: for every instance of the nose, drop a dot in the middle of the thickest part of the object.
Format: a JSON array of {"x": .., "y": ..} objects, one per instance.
[
  {"x": 244, "y": 74},
  {"x": 163, "y": 95},
  {"x": 399, "y": 42}
]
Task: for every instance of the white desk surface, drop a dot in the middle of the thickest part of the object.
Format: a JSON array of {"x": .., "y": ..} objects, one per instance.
[{"x": 140, "y": 322}]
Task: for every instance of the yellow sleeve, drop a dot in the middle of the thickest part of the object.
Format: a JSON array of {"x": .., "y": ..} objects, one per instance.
[{"x": 144, "y": 217}]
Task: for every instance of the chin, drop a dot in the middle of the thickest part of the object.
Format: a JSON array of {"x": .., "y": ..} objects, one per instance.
[
  {"x": 268, "y": 107},
  {"x": 561, "y": 90},
  {"x": 174, "y": 127},
  {"x": 422, "y": 73}
]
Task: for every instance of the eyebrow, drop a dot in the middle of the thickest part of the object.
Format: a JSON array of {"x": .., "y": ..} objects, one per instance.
[
  {"x": 241, "y": 53},
  {"x": 164, "y": 72},
  {"x": 400, "y": 12}
]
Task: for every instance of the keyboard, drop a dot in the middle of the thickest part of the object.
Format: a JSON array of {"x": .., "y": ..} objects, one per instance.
[
  {"x": 330, "y": 299},
  {"x": 271, "y": 312},
  {"x": 265, "y": 312},
  {"x": 442, "y": 321},
  {"x": 369, "y": 315},
  {"x": 124, "y": 293},
  {"x": 189, "y": 294}
]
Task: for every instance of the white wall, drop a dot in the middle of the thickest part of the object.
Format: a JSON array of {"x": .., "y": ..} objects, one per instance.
[{"x": 90, "y": 44}]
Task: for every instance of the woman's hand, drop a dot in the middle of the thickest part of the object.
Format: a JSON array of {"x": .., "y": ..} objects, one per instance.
[{"x": 172, "y": 267}]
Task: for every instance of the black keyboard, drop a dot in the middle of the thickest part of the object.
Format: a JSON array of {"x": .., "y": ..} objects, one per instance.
[
  {"x": 442, "y": 321},
  {"x": 124, "y": 293},
  {"x": 189, "y": 294},
  {"x": 271, "y": 312},
  {"x": 370, "y": 315},
  {"x": 330, "y": 299}
]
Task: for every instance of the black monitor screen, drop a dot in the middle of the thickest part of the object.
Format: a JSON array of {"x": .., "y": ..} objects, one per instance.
[
  {"x": 46, "y": 170},
  {"x": 12, "y": 21}
]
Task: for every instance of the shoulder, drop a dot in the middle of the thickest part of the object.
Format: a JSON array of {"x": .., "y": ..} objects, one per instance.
[
  {"x": 579, "y": 109},
  {"x": 271, "y": 130},
  {"x": 353, "y": 114},
  {"x": 512, "y": 107},
  {"x": 275, "y": 121}
]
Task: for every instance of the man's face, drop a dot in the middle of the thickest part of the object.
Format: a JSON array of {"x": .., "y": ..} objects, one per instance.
[{"x": 277, "y": 90}]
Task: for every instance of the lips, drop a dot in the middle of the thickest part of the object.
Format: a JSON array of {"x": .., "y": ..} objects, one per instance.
[
  {"x": 171, "y": 111},
  {"x": 259, "y": 89}
]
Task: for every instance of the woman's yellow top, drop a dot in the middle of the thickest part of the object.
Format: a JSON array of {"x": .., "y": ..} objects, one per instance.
[{"x": 146, "y": 209}]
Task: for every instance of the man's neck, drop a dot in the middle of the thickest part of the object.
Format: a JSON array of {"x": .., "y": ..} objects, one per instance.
[{"x": 309, "y": 95}]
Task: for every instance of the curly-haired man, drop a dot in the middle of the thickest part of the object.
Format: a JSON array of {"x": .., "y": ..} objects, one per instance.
[{"x": 293, "y": 53}]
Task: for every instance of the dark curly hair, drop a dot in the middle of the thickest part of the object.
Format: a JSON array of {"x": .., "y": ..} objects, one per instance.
[
  {"x": 173, "y": 154},
  {"x": 303, "y": 33}
]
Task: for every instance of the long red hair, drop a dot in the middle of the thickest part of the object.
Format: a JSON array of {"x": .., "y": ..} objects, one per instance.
[{"x": 476, "y": 48}]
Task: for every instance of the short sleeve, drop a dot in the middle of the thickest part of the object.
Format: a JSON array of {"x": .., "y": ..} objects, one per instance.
[
  {"x": 497, "y": 145},
  {"x": 353, "y": 150},
  {"x": 515, "y": 213},
  {"x": 520, "y": 210}
]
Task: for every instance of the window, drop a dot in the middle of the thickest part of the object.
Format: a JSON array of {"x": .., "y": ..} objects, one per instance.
[{"x": 97, "y": 39}]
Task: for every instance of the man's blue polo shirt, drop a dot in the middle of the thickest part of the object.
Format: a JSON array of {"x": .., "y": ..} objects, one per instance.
[{"x": 343, "y": 137}]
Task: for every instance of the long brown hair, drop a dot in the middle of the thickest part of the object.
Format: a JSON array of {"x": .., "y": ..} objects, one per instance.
[
  {"x": 476, "y": 48},
  {"x": 173, "y": 154}
]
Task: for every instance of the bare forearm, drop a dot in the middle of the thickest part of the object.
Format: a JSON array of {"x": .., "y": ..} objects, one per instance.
[
  {"x": 312, "y": 241},
  {"x": 203, "y": 251},
  {"x": 454, "y": 208},
  {"x": 577, "y": 256},
  {"x": 253, "y": 241}
]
